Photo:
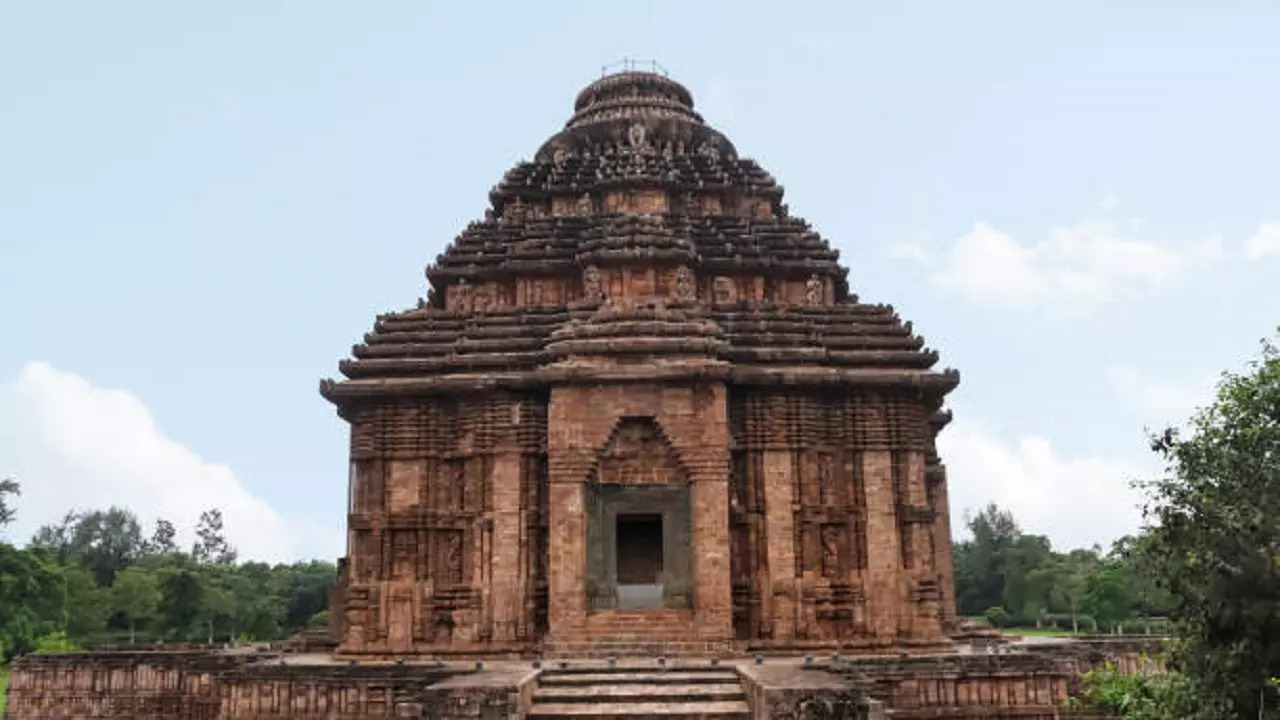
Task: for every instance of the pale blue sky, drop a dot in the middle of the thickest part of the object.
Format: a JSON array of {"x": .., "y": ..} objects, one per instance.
[{"x": 203, "y": 205}]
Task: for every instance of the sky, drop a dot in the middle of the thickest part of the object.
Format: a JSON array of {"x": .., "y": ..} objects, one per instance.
[{"x": 203, "y": 206}]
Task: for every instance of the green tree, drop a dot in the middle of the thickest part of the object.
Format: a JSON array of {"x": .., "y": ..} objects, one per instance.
[
  {"x": 162, "y": 540},
  {"x": 180, "y": 598},
  {"x": 101, "y": 541},
  {"x": 1108, "y": 595},
  {"x": 1216, "y": 539},
  {"x": 85, "y": 605},
  {"x": 216, "y": 608},
  {"x": 1024, "y": 594},
  {"x": 305, "y": 591},
  {"x": 8, "y": 486},
  {"x": 136, "y": 596},
  {"x": 211, "y": 541},
  {"x": 31, "y": 598},
  {"x": 981, "y": 562}
]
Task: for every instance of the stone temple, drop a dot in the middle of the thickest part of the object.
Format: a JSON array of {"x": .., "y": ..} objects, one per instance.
[
  {"x": 641, "y": 393},
  {"x": 640, "y": 453}
]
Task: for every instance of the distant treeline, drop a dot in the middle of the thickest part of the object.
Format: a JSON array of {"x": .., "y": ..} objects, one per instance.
[
  {"x": 1013, "y": 578},
  {"x": 94, "y": 579}
]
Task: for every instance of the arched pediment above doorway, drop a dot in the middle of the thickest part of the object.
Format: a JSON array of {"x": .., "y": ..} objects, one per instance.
[{"x": 638, "y": 453}]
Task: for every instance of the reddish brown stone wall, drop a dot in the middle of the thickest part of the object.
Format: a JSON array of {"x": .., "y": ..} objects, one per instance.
[
  {"x": 834, "y": 530},
  {"x": 692, "y": 419},
  {"x": 1028, "y": 685},
  {"x": 178, "y": 685},
  {"x": 208, "y": 686},
  {"x": 437, "y": 485},
  {"x": 824, "y": 530}
]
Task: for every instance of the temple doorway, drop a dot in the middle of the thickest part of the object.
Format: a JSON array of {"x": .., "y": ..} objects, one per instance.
[
  {"x": 639, "y": 561},
  {"x": 639, "y": 553}
]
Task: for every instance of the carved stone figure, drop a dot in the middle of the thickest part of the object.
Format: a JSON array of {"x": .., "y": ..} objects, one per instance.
[
  {"x": 462, "y": 296},
  {"x": 830, "y": 550},
  {"x": 636, "y": 136},
  {"x": 592, "y": 290},
  {"x": 584, "y": 207},
  {"x": 685, "y": 289},
  {"x": 813, "y": 291},
  {"x": 722, "y": 290}
]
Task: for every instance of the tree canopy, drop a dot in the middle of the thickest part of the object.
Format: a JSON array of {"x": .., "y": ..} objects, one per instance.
[
  {"x": 95, "y": 578},
  {"x": 1215, "y": 540}
]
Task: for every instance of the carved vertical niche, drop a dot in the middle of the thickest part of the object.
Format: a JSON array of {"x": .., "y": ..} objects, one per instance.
[{"x": 748, "y": 559}]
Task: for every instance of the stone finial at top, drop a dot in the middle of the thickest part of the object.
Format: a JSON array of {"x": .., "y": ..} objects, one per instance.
[
  {"x": 632, "y": 94},
  {"x": 634, "y": 111}
]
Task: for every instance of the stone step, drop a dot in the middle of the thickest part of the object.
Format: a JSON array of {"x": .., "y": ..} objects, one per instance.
[
  {"x": 634, "y": 627},
  {"x": 641, "y": 692},
  {"x": 599, "y": 676},
  {"x": 662, "y": 613},
  {"x": 632, "y": 648},
  {"x": 625, "y": 637},
  {"x": 723, "y": 710}
]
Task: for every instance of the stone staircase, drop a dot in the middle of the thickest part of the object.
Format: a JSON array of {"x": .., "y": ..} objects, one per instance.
[
  {"x": 706, "y": 693},
  {"x": 643, "y": 633}
]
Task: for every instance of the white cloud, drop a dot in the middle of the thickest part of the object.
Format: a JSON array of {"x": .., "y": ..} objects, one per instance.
[
  {"x": 78, "y": 446},
  {"x": 1074, "y": 269},
  {"x": 1075, "y": 501},
  {"x": 1159, "y": 400},
  {"x": 1266, "y": 241}
]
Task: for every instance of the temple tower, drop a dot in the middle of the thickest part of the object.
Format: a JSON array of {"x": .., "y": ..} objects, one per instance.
[{"x": 639, "y": 385}]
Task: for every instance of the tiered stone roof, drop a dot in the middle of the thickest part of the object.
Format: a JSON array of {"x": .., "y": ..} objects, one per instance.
[{"x": 636, "y": 235}]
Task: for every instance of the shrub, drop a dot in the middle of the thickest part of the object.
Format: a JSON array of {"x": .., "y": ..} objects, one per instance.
[{"x": 997, "y": 616}]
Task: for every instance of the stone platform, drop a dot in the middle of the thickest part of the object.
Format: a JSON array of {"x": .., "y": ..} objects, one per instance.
[{"x": 1023, "y": 681}]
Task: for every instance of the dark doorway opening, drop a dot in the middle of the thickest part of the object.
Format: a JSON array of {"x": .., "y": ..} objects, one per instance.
[{"x": 639, "y": 549}]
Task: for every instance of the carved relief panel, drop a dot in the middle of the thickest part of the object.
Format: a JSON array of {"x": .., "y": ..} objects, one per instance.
[
  {"x": 827, "y": 435},
  {"x": 422, "y": 505},
  {"x": 637, "y": 454}
]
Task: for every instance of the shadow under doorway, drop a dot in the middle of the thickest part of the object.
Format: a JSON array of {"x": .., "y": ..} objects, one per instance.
[{"x": 639, "y": 561}]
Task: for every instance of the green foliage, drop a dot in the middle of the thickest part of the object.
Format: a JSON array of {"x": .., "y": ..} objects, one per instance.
[
  {"x": 1107, "y": 594},
  {"x": 8, "y": 486},
  {"x": 1140, "y": 697},
  {"x": 92, "y": 579},
  {"x": 996, "y": 615},
  {"x": 1020, "y": 573},
  {"x": 103, "y": 542},
  {"x": 55, "y": 642},
  {"x": 32, "y": 596},
  {"x": 1216, "y": 539},
  {"x": 136, "y": 597},
  {"x": 211, "y": 542}
]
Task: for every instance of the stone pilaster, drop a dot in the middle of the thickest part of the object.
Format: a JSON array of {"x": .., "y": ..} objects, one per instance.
[
  {"x": 713, "y": 598},
  {"x": 507, "y": 581},
  {"x": 942, "y": 561},
  {"x": 779, "y": 595},
  {"x": 884, "y": 593},
  {"x": 567, "y": 556}
]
